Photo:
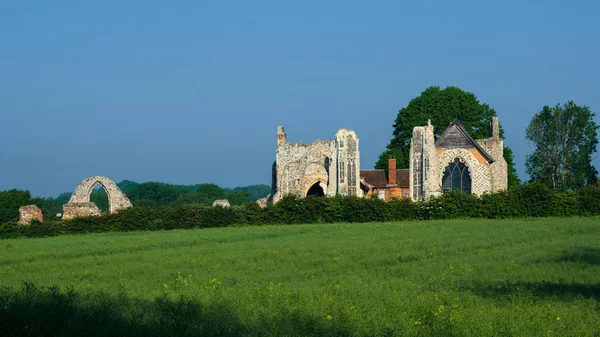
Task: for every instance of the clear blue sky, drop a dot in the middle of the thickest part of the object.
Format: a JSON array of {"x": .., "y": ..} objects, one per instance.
[{"x": 188, "y": 92}]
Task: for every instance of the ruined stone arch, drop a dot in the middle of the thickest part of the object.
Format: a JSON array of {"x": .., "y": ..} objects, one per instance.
[
  {"x": 319, "y": 182},
  {"x": 314, "y": 173},
  {"x": 117, "y": 200}
]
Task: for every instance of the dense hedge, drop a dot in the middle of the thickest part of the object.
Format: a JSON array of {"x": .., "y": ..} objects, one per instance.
[{"x": 529, "y": 200}]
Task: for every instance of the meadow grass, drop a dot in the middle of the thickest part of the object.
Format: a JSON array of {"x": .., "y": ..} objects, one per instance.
[{"x": 524, "y": 277}]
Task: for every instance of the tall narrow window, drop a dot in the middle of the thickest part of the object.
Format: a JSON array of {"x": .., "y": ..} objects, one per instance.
[
  {"x": 456, "y": 176},
  {"x": 342, "y": 170},
  {"x": 425, "y": 168}
]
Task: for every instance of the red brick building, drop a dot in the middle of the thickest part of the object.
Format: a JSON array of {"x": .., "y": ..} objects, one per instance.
[{"x": 385, "y": 184}]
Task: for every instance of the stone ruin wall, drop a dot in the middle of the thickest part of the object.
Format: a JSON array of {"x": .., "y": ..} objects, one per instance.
[
  {"x": 348, "y": 160},
  {"x": 475, "y": 163},
  {"x": 499, "y": 168},
  {"x": 428, "y": 163},
  {"x": 80, "y": 205},
  {"x": 299, "y": 166},
  {"x": 29, "y": 213},
  {"x": 79, "y": 209}
]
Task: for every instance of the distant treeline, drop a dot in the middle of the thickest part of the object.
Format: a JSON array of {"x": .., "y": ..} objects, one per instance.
[{"x": 146, "y": 195}]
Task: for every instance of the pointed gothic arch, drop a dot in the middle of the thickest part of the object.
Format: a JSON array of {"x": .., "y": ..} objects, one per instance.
[
  {"x": 80, "y": 205},
  {"x": 456, "y": 176}
]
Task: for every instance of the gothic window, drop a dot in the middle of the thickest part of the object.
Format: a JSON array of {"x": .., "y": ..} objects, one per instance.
[
  {"x": 425, "y": 168},
  {"x": 351, "y": 176},
  {"x": 341, "y": 143},
  {"x": 456, "y": 176},
  {"x": 342, "y": 169}
]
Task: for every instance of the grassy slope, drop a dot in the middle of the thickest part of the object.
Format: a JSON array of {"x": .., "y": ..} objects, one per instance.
[{"x": 462, "y": 277}]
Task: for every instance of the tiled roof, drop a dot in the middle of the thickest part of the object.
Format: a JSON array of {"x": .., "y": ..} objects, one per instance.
[{"x": 379, "y": 178}]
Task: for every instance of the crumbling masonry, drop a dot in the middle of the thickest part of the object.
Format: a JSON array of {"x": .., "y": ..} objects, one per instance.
[
  {"x": 456, "y": 161},
  {"x": 29, "y": 213},
  {"x": 80, "y": 205},
  {"x": 325, "y": 167}
]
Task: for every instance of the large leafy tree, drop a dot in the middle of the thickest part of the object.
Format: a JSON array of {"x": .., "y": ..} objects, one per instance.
[
  {"x": 565, "y": 138},
  {"x": 442, "y": 106},
  {"x": 10, "y": 201}
]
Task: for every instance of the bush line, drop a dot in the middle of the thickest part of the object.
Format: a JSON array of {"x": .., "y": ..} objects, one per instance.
[{"x": 530, "y": 200}]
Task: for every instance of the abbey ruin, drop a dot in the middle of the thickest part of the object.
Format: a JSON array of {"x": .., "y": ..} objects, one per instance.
[
  {"x": 332, "y": 167},
  {"x": 323, "y": 168},
  {"x": 80, "y": 205},
  {"x": 456, "y": 161}
]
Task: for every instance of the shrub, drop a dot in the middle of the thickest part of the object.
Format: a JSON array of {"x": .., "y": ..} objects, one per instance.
[{"x": 530, "y": 200}]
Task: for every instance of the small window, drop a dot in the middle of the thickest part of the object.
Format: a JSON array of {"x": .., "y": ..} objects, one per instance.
[{"x": 382, "y": 194}]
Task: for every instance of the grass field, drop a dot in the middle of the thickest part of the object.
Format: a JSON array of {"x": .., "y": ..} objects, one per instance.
[{"x": 538, "y": 277}]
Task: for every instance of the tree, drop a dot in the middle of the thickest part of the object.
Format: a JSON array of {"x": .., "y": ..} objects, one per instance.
[
  {"x": 565, "y": 138},
  {"x": 10, "y": 201},
  {"x": 442, "y": 106}
]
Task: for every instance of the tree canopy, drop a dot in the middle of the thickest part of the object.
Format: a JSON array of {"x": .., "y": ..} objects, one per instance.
[
  {"x": 565, "y": 137},
  {"x": 442, "y": 106}
]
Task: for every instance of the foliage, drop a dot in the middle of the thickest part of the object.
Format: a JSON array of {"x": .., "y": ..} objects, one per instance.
[
  {"x": 257, "y": 191},
  {"x": 10, "y": 201},
  {"x": 565, "y": 137},
  {"x": 528, "y": 200},
  {"x": 524, "y": 277},
  {"x": 442, "y": 106},
  {"x": 100, "y": 198}
]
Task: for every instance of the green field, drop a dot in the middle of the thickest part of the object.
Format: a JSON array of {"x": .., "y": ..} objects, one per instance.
[{"x": 527, "y": 277}]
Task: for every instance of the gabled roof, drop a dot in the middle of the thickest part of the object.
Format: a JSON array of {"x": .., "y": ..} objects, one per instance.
[
  {"x": 456, "y": 136},
  {"x": 379, "y": 178}
]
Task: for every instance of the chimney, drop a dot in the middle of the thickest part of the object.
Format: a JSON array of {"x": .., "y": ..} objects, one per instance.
[
  {"x": 281, "y": 136},
  {"x": 495, "y": 128},
  {"x": 392, "y": 171}
]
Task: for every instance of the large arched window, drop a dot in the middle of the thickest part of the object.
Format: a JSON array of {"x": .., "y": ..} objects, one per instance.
[{"x": 456, "y": 176}]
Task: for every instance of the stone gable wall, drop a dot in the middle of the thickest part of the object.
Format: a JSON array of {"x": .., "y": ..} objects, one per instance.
[{"x": 427, "y": 164}]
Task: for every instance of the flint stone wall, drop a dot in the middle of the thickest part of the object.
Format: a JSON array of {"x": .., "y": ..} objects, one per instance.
[
  {"x": 429, "y": 162},
  {"x": 78, "y": 209},
  {"x": 333, "y": 164},
  {"x": 80, "y": 205},
  {"x": 29, "y": 213}
]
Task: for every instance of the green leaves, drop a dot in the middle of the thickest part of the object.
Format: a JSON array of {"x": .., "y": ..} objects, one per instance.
[
  {"x": 441, "y": 106},
  {"x": 565, "y": 137}
]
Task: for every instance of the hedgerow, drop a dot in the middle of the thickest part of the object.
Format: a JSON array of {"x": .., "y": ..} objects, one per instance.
[{"x": 530, "y": 200}]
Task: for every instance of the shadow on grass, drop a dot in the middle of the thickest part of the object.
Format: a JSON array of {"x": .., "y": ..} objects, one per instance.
[
  {"x": 34, "y": 311},
  {"x": 525, "y": 290},
  {"x": 581, "y": 255}
]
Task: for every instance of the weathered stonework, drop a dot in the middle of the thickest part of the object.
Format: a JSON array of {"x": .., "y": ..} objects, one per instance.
[
  {"x": 262, "y": 203},
  {"x": 29, "y": 213},
  {"x": 77, "y": 209},
  {"x": 80, "y": 205},
  {"x": 484, "y": 160},
  {"x": 325, "y": 167},
  {"x": 222, "y": 203}
]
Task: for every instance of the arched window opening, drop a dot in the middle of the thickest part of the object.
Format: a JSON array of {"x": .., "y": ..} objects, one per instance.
[
  {"x": 316, "y": 190},
  {"x": 100, "y": 198},
  {"x": 456, "y": 177}
]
